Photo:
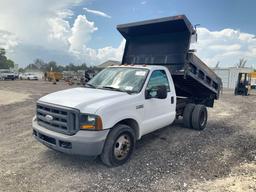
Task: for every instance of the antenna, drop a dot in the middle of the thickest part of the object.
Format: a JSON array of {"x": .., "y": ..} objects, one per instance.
[
  {"x": 217, "y": 64},
  {"x": 195, "y": 32},
  {"x": 196, "y": 25}
]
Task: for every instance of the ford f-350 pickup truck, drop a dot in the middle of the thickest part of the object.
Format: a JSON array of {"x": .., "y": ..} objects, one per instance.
[{"x": 122, "y": 103}]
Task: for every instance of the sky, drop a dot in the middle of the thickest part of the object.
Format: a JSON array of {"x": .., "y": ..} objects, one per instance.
[{"x": 84, "y": 31}]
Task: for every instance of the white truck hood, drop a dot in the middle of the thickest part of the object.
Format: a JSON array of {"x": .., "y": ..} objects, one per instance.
[{"x": 84, "y": 99}]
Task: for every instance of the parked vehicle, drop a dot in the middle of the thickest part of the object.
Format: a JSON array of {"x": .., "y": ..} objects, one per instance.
[
  {"x": 158, "y": 81},
  {"x": 28, "y": 76},
  {"x": 6, "y": 74},
  {"x": 16, "y": 75}
]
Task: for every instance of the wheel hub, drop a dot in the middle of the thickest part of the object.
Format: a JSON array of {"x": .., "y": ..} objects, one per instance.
[{"x": 122, "y": 146}]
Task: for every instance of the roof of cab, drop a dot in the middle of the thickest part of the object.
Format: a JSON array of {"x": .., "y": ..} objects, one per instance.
[{"x": 150, "y": 67}]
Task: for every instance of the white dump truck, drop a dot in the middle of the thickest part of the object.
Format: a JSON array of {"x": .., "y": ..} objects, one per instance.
[{"x": 159, "y": 80}]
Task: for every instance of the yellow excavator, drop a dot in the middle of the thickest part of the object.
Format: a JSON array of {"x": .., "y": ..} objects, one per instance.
[{"x": 53, "y": 76}]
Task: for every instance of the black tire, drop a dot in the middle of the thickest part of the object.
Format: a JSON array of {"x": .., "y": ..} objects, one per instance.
[
  {"x": 199, "y": 117},
  {"x": 110, "y": 155},
  {"x": 187, "y": 115},
  {"x": 235, "y": 92}
]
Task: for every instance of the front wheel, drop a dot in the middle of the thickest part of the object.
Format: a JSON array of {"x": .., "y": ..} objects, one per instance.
[{"x": 119, "y": 145}]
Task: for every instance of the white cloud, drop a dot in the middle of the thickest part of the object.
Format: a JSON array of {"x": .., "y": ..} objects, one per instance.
[
  {"x": 226, "y": 46},
  {"x": 29, "y": 19},
  {"x": 66, "y": 13},
  {"x": 143, "y": 2},
  {"x": 42, "y": 29},
  {"x": 81, "y": 33},
  {"x": 8, "y": 40},
  {"x": 35, "y": 25},
  {"x": 59, "y": 30},
  {"x": 220, "y": 47},
  {"x": 96, "y": 12},
  {"x": 106, "y": 53}
]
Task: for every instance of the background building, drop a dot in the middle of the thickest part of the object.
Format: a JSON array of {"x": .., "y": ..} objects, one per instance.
[{"x": 229, "y": 76}]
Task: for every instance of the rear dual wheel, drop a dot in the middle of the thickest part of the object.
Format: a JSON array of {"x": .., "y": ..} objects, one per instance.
[
  {"x": 195, "y": 116},
  {"x": 199, "y": 117},
  {"x": 187, "y": 115}
]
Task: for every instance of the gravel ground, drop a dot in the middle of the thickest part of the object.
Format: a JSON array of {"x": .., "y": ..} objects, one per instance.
[{"x": 220, "y": 158}]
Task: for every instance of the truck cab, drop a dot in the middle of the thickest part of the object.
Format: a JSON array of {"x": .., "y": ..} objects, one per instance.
[
  {"x": 138, "y": 99},
  {"x": 124, "y": 102}
]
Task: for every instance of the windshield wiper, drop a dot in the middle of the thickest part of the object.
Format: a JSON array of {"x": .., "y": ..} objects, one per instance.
[
  {"x": 116, "y": 89},
  {"x": 112, "y": 88},
  {"x": 90, "y": 85}
]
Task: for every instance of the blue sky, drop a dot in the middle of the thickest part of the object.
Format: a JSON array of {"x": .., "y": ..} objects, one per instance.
[
  {"x": 214, "y": 15},
  {"x": 85, "y": 30}
]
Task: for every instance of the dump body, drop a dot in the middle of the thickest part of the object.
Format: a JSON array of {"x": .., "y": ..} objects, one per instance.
[{"x": 166, "y": 42}]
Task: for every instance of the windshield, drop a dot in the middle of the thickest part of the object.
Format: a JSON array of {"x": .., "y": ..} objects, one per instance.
[{"x": 123, "y": 79}]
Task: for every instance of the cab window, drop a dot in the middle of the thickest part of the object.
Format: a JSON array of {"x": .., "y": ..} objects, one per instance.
[{"x": 158, "y": 78}]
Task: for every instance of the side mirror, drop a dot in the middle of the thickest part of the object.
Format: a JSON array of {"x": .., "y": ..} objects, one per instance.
[
  {"x": 148, "y": 94},
  {"x": 161, "y": 92}
]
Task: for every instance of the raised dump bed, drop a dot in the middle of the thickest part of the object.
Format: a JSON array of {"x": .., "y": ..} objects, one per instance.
[{"x": 166, "y": 41}]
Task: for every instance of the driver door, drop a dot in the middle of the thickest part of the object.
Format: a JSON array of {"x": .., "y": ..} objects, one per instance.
[{"x": 157, "y": 112}]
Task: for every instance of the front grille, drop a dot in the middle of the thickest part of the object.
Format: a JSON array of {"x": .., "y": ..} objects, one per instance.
[{"x": 56, "y": 118}]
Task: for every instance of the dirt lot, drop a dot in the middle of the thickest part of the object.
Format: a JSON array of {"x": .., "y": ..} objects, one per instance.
[{"x": 220, "y": 158}]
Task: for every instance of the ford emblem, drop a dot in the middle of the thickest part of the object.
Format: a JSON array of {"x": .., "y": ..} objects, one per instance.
[{"x": 48, "y": 117}]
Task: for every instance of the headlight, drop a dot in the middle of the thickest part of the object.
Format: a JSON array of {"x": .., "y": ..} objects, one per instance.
[{"x": 90, "y": 122}]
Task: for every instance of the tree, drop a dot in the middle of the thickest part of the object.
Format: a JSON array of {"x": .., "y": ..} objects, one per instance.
[
  {"x": 241, "y": 63},
  {"x": 32, "y": 67},
  {"x": 52, "y": 66},
  {"x": 5, "y": 63},
  {"x": 60, "y": 68},
  {"x": 217, "y": 64},
  {"x": 10, "y": 63},
  {"x": 21, "y": 70},
  {"x": 40, "y": 65}
]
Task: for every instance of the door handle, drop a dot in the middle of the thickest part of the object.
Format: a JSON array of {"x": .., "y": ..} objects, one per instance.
[{"x": 172, "y": 100}]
